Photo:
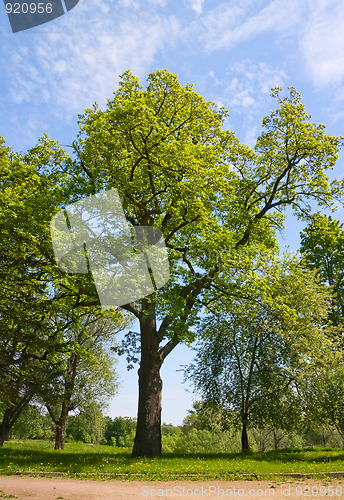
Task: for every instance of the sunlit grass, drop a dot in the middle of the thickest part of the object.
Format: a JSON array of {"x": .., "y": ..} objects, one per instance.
[{"x": 39, "y": 456}]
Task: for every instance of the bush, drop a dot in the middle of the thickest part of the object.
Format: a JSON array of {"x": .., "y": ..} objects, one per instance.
[
  {"x": 203, "y": 441},
  {"x": 120, "y": 431}
]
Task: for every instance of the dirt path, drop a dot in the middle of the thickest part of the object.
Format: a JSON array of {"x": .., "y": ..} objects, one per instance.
[{"x": 29, "y": 488}]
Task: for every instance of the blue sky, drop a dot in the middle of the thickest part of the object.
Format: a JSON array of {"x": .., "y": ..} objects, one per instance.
[{"x": 233, "y": 52}]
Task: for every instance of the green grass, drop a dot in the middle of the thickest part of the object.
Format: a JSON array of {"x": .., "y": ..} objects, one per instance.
[{"x": 39, "y": 456}]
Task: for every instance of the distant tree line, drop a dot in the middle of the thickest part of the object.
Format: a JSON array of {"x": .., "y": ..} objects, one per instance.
[{"x": 204, "y": 430}]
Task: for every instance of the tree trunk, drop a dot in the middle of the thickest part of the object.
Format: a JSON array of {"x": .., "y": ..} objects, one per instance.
[
  {"x": 147, "y": 440},
  {"x": 60, "y": 418},
  {"x": 244, "y": 437},
  {"x": 60, "y": 426},
  {"x": 60, "y": 435},
  {"x": 148, "y": 430},
  {"x": 11, "y": 415},
  {"x": 5, "y": 427}
]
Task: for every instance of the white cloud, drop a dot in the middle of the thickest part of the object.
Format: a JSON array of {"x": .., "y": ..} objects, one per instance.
[
  {"x": 248, "y": 81},
  {"x": 316, "y": 27},
  {"x": 197, "y": 5},
  {"x": 245, "y": 92},
  {"x": 76, "y": 60},
  {"x": 322, "y": 42},
  {"x": 64, "y": 66},
  {"x": 235, "y": 21},
  {"x": 137, "y": 4}
]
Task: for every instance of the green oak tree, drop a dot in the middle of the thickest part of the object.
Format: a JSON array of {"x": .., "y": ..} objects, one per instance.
[{"x": 165, "y": 149}]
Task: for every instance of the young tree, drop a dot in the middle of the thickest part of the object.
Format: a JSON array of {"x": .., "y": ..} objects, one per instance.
[
  {"x": 86, "y": 375},
  {"x": 324, "y": 396},
  {"x": 213, "y": 419},
  {"x": 29, "y": 343},
  {"x": 88, "y": 426},
  {"x": 38, "y": 304},
  {"x": 252, "y": 355},
  {"x": 165, "y": 151},
  {"x": 120, "y": 431},
  {"x": 322, "y": 247}
]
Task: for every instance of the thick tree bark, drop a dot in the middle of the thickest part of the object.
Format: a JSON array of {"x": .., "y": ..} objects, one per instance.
[
  {"x": 148, "y": 431},
  {"x": 60, "y": 424},
  {"x": 244, "y": 437},
  {"x": 60, "y": 435},
  {"x": 147, "y": 440}
]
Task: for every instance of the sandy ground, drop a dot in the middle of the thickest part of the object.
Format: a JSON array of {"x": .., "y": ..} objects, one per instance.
[{"x": 26, "y": 488}]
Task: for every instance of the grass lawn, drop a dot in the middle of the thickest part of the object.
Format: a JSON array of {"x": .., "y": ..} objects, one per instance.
[{"x": 39, "y": 456}]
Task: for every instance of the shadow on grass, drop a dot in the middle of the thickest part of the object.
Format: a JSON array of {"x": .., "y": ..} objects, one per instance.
[
  {"x": 34, "y": 457},
  {"x": 59, "y": 459},
  {"x": 307, "y": 455}
]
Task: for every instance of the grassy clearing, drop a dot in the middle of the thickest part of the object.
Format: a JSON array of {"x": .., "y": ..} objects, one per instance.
[{"x": 39, "y": 456}]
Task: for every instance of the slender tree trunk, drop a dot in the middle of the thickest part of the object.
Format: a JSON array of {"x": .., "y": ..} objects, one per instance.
[
  {"x": 244, "y": 437},
  {"x": 60, "y": 425},
  {"x": 275, "y": 440},
  {"x": 147, "y": 440},
  {"x": 60, "y": 417}
]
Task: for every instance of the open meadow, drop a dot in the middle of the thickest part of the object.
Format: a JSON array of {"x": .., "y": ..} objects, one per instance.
[{"x": 87, "y": 461}]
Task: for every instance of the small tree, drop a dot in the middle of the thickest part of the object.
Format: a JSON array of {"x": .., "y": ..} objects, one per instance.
[
  {"x": 252, "y": 355},
  {"x": 36, "y": 300},
  {"x": 88, "y": 426},
  {"x": 87, "y": 374},
  {"x": 120, "y": 431},
  {"x": 324, "y": 397}
]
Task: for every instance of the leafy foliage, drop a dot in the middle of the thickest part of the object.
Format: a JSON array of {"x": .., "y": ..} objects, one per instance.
[
  {"x": 251, "y": 356},
  {"x": 322, "y": 246}
]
